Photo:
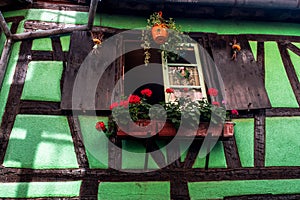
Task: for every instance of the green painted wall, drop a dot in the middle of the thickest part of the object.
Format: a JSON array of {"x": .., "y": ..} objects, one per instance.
[
  {"x": 220, "y": 189},
  {"x": 276, "y": 81},
  {"x": 96, "y": 143},
  {"x": 282, "y": 141},
  {"x": 40, "y": 189},
  {"x": 134, "y": 191},
  {"x": 39, "y": 75},
  {"x": 244, "y": 135},
  {"x": 40, "y": 142}
]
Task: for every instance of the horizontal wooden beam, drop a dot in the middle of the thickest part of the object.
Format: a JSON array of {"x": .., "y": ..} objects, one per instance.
[
  {"x": 111, "y": 175},
  {"x": 46, "y": 33}
]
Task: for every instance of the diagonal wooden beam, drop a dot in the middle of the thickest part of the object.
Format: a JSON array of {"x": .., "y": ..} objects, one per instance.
[
  {"x": 4, "y": 26},
  {"x": 4, "y": 59}
]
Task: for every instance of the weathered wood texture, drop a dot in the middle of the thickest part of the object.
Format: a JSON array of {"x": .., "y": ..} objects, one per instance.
[
  {"x": 47, "y": 33},
  {"x": 293, "y": 48},
  {"x": 243, "y": 80},
  {"x": 232, "y": 154},
  {"x": 259, "y": 139},
  {"x": 95, "y": 85},
  {"x": 39, "y": 107},
  {"x": 80, "y": 46},
  {"x": 179, "y": 187},
  {"x": 191, "y": 175},
  {"x": 89, "y": 189},
  {"x": 78, "y": 141},
  {"x": 13, "y": 101},
  {"x": 4, "y": 59}
]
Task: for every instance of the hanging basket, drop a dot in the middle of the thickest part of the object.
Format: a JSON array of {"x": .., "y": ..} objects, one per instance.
[{"x": 160, "y": 33}]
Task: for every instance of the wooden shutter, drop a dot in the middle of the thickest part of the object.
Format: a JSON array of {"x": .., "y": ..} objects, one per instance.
[
  {"x": 80, "y": 45},
  {"x": 243, "y": 79},
  {"x": 91, "y": 74}
]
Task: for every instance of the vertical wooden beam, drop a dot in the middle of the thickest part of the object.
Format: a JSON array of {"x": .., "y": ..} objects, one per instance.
[
  {"x": 4, "y": 59},
  {"x": 179, "y": 186},
  {"x": 259, "y": 138},
  {"x": 4, "y": 26},
  {"x": 92, "y": 13},
  {"x": 89, "y": 188},
  {"x": 261, "y": 58}
]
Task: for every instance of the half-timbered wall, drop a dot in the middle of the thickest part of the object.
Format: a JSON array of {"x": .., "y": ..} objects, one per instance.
[{"x": 44, "y": 146}]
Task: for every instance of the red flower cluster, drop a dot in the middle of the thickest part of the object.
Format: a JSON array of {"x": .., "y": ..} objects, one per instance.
[
  {"x": 134, "y": 99},
  {"x": 100, "y": 126},
  {"x": 146, "y": 92},
  {"x": 212, "y": 92},
  {"x": 215, "y": 103},
  {"x": 124, "y": 103},
  {"x": 234, "y": 112},
  {"x": 113, "y": 105},
  {"x": 169, "y": 90}
]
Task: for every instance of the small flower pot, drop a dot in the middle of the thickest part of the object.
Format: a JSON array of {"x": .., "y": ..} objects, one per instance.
[
  {"x": 228, "y": 130},
  {"x": 160, "y": 33}
]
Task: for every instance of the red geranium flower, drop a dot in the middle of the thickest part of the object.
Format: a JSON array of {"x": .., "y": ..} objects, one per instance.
[
  {"x": 134, "y": 99},
  {"x": 113, "y": 105},
  {"x": 100, "y": 126},
  {"x": 124, "y": 103},
  {"x": 215, "y": 103},
  {"x": 234, "y": 112},
  {"x": 146, "y": 92},
  {"x": 185, "y": 89},
  {"x": 169, "y": 90},
  {"x": 213, "y": 92}
]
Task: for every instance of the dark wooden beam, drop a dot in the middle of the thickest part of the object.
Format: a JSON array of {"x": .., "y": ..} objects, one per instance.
[
  {"x": 290, "y": 70},
  {"x": 4, "y": 26},
  {"x": 259, "y": 139},
  {"x": 191, "y": 175},
  {"x": 4, "y": 59},
  {"x": 47, "y": 33},
  {"x": 39, "y": 107},
  {"x": 232, "y": 154},
  {"x": 92, "y": 13},
  {"x": 282, "y": 112},
  {"x": 13, "y": 101},
  {"x": 78, "y": 142}
]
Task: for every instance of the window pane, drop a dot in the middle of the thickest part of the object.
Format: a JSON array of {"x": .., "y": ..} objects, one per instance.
[
  {"x": 194, "y": 94},
  {"x": 183, "y": 76},
  {"x": 186, "y": 56}
]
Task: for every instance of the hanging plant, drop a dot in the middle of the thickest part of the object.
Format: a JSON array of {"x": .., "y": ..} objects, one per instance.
[{"x": 166, "y": 34}]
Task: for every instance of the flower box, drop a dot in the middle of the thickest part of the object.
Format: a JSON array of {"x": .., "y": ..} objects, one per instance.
[{"x": 166, "y": 129}]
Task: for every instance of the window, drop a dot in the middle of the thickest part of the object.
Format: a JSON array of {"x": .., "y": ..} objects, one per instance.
[{"x": 185, "y": 75}]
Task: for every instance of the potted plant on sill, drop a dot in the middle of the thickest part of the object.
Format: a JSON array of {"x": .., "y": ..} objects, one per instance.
[
  {"x": 136, "y": 108},
  {"x": 165, "y": 33}
]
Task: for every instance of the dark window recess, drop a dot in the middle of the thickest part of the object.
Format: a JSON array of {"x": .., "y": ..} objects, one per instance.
[
  {"x": 138, "y": 76},
  {"x": 243, "y": 79}
]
